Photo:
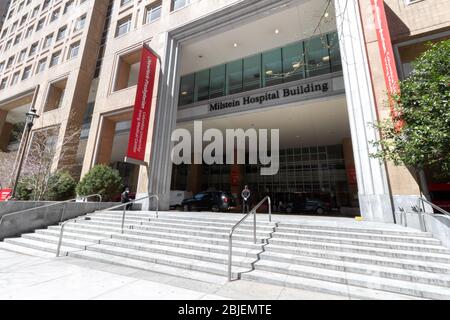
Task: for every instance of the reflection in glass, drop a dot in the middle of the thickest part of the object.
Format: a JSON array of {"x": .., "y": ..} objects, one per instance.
[
  {"x": 335, "y": 52},
  {"x": 252, "y": 72},
  {"x": 234, "y": 77},
  {"x": 187, "y": 89},
  {"x": 293, "y": 62},
  {"x": 201, "y": 85},
  {"x": 272, "y": 68},
  {"x": 217, "y": 82},
  {"x": 317, "y": 56}
]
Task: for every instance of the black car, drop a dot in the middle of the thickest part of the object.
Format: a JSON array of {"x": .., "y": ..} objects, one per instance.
[
  {"x": 211, "y": 201},
  {"x": 309, "y": 205}
]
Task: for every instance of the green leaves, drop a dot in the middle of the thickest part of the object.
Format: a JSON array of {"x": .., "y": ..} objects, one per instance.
[
  {"x": 100, "y": 179},
  {"x": 423, "y": 105}
]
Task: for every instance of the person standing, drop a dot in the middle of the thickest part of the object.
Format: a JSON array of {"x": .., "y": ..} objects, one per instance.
[
  {"x": 246, "y": 194},
  {"x": 125, "y": 198}
]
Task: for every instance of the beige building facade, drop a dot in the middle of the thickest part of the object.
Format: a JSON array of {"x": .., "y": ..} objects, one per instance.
[{"x": 319, "y": 60}]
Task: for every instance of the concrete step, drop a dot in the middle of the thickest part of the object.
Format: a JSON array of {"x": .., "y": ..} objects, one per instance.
[
  {"x": 407, "y": 246},
  {"x": 215, "y": 248},
  {"x": 179, "y": 262},
  {"x": 360, "y": 258},
  {"x": 247, "y": 224},
  {"x": 360, "y": 235},
  {"x": 18, "y": 248},
  {"x": 289, "y": 245},
  {"x": 398, "y": 230},
  {"x": 359, "y": 280},
  {"x": 442, "y": 280},
  {"x": 179, "y": 225},
  {"x": 148, "y": 266},
  {"x": 220, "y": 258},
  {"x": 352, "y": 292},
  {"x": 74, "y": 243},
  {"x": 67, "y": 246},
  {"x": 162, "y": 236},
  {"x": 242, "y": 235}
]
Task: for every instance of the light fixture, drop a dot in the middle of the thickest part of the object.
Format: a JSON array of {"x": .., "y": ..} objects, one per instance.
[
  {"x": 269, "y": 72},
  {"x": 235, "y": 44},
  {"x": 296, "y": 65},
  {"x": 326, "y": 15},
  {"x": 326, "y": 58},
  {"x": 184, "y": 93},
  {"x": 30, "y": 116},
  {"x": 277, "y": 31}
]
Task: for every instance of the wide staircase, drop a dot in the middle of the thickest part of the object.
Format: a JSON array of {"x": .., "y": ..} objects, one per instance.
[{"x": 354, "y": 261}]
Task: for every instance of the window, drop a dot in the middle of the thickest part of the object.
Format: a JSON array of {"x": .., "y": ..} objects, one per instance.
[
  {"x": 33, "y": 49},
  {"x": 272, "y": 67},
  {"x": 55, "y": 15},
  {"x": 153, "y": 12},
  {"x": 73, "y": 50},
  {"x": 22, "y": 55},
  {"x": 335, "y": 52},
  {"x": 10, "y": 62},
  {"x": 35, "y": 11},
  {"x": 55, "y": 59},
  {"x": 80, "y": 23},
  {"x": 45, "y": 5},
  {"x": 317, "y": 56},
  {"x": 217, "y": 82},
  {"x": 187, "y": 89},
  {"x": 4, "y": 33},
  {"x": 41, "y": 65},
  {"x": 68, "y": 6},
  {"x": 61, "y": 33},
  {"x": 15, "y": 78},
  {"x": 178, "y": 4},
  {"x": 123, "y": 26},
  {"x": 13, "y": 27},
  {"x": 47, "y": 41},
  {"x": 128, "y": 70},
  {"x": 8, "y": 44},
  {"x": 17, "y": 39},
  {"x": 124, "y": 2},
  {"x": 24, "y": 18},
  {"x": 234, "y": 77},
  {"x": 3, "y": 83},
  {"x": 29, "y": 32},
  {"x": 55, "y": 95},
  {"x": 2, "y": 66},
  {"x": 293, "y": 62},
  {"x": 201, "y": 91},
  {"x": 40, "y": 24},
  {"x": 26, "y": 73},
  {"x": 252, "y": 72}
]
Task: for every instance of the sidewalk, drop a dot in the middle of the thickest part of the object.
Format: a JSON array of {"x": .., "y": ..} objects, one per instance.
[{"x": 45, "y": 277}]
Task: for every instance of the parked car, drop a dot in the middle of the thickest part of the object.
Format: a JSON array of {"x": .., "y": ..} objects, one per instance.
[
  {"x": 177, "y": 197},
  {"x": 309, "y": 205},
  {"x": 216, "y": 201}
]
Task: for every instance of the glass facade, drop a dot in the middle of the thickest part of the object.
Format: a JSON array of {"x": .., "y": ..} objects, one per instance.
[{"x": 308, "y": 58}]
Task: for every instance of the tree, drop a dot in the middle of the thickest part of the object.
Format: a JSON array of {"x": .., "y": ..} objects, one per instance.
[
  {"x": 424, "y": 111},
  {"x": 100, "y": 179}
]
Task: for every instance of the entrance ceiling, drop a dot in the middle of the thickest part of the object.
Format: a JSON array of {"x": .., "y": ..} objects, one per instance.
[
  {"x": 316, "y": 123},
  {"x": 293, "y": 24}
]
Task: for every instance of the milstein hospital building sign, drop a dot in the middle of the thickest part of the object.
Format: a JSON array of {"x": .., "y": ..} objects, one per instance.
[{"x": 278, "y": 94}]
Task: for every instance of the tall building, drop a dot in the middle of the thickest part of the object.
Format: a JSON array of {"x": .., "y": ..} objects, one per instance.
[
  {"x": 316, "y": 63},
  {"x": 4, "y": 5}
]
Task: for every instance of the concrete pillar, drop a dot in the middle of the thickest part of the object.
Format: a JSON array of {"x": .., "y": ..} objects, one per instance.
[
  {"x": 373, "y": 189},
  {"x": 194, "y": 183},
  {"x": 350, "y": 170},
  {"x": 106, "y": 142},
  {"x": 5, "y": 136}
]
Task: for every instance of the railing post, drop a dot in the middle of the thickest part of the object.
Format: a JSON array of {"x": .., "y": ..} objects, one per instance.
[
  {"x": 254, "y": 226},
  {"x": 123, "y": 217},
  {"x": 270, "y": 209},
  {"x": 63, "y": 212},
  {"x": 230, "y": 241},
  {"x": 60, "y": 240}
]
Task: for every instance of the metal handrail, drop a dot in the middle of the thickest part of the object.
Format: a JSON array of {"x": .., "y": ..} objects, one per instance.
[
  {"x": 433, "y": 206},
  {"x": 61, "y": 232},
  {"x": 55, "y": 204},
  {"x": 230, "y": 236}
]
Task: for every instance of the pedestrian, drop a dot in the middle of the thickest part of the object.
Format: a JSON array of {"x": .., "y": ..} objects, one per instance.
[
  {"x": 125, "y": 198},
  {"x": 246, "y": 194}
]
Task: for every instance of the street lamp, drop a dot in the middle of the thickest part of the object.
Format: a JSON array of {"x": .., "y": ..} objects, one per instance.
[{"x": 31, "y": 115}]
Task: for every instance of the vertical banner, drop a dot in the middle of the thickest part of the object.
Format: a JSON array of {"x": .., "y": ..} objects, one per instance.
[
  {"x": 142, "y": 107},
  {"x": 385, "y": 47}
]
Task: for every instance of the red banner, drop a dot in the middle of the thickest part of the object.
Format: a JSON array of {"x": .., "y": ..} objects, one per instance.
[
  {"x": 5, "y": 194},
  {"x": 142, "y": 106}
]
